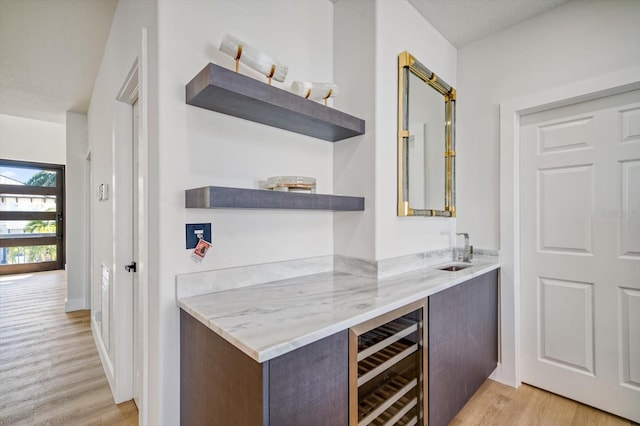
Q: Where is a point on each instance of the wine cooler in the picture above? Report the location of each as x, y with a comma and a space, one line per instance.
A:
387, 374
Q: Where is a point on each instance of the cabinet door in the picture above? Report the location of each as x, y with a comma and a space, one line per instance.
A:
219, 385
310, 386
463, 344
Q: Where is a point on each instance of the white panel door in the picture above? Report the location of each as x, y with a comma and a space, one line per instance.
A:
580, 252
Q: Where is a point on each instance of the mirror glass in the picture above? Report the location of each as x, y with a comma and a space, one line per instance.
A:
426, 155
425, 150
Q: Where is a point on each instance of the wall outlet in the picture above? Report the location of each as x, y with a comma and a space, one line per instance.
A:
194, 230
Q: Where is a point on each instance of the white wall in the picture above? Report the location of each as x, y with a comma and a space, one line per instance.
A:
26, 139
354, 158
576, 41
108, 134
400, 27
191, 147
368, 38
78, 288
198, 147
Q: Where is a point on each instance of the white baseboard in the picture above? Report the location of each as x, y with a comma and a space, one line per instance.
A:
75, 305
505, 376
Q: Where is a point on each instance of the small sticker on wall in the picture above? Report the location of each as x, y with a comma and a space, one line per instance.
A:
201, 250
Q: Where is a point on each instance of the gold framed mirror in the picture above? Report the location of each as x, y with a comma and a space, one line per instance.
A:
426, 141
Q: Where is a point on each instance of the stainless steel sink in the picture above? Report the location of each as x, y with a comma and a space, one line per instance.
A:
455, 267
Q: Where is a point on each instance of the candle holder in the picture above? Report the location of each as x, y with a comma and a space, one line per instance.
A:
315, 91
253, 58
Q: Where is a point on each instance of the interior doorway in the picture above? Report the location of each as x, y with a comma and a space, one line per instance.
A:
580, 250
137, 323
31, 217
129, 378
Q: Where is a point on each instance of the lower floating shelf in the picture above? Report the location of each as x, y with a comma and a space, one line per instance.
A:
217, 197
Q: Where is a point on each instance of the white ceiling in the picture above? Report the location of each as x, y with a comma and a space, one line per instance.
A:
50, 51
465, 21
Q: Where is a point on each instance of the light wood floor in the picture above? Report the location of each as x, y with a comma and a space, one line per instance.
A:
50, 372
498, 404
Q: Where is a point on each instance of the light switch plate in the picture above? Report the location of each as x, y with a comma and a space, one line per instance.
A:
103, 192
192, 231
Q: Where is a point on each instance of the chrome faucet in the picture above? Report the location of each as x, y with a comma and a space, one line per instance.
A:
467, 254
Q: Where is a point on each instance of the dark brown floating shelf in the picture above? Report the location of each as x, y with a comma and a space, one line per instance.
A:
222, 90
217, 197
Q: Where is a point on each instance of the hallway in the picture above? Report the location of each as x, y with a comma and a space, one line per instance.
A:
50, 372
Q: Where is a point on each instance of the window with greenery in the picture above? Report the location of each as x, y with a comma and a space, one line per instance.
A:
31, 216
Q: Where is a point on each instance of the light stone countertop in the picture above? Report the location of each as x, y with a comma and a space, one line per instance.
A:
268, 320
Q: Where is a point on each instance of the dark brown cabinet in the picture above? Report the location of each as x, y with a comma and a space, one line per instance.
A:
387, 381
220, 385
463, 344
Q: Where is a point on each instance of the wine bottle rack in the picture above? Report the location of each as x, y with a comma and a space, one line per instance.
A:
387, 371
